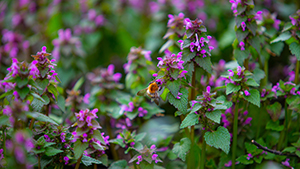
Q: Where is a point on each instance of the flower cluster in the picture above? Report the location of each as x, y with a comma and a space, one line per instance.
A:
197, 41
14, 44
238, 78
137, 57
16, 112
175, 25
243, 122
146, 154
269, 20
204, 100
17, 150
74, 98
87, 132
172, 63
295, 19
66, 44
44, 65
90, 22
105, 78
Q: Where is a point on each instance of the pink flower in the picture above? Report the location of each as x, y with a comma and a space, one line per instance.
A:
243, 25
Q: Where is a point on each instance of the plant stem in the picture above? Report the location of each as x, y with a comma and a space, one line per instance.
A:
283, 132
246, 64
4, 141
134, 165
203, 151
78, 162
297, 72
113, 150
235, 127
192, 97
95, 166
31, 123
266, 69
39, 162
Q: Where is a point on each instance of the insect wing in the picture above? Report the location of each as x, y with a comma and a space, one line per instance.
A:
142, 92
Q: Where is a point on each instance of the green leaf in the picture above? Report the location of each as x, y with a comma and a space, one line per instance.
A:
190, 120
289, 149
139, 137
120, 164
277, 47
254, 97
226, 103
196, 107
23, 92
251, 82
42, 84
243, 159
180, 104
118, 142
181, 148
295, 49
255, 42
61, 103
241, 55
52, 89
46, 99
274, 125
253, 27
4, 120
214, 115
37, 104
187, 55
230, 87
274, 110
174, 87
87, 161
205, 63
164, 94
6, 94
287, 26
40, 117
21, 82
282, 37
295, 104
169, 43
218, 139
258, 74
241, 35
239, 19
50, 151
79, 148
97, 135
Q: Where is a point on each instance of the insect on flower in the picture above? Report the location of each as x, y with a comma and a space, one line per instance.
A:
151, 91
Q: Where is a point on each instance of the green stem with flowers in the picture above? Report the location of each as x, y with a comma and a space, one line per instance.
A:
297, 72
203, 150
235, 127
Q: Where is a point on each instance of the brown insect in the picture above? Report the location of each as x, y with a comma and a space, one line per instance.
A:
151, 91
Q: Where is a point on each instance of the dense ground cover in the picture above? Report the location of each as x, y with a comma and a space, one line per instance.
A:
149, 84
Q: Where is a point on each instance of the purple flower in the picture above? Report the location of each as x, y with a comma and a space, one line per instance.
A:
47, 138
86, 98
293, 20
249, 156
228, 164
33, 70
181, 44
258, 15
66, 159
19, 154
286, 163
14, 68
140, 158
243, 25
62, 137
247, 93
242, 45
178, 96
154, 156
132, 144
239, 70
153, 147
231, 73
208, 89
